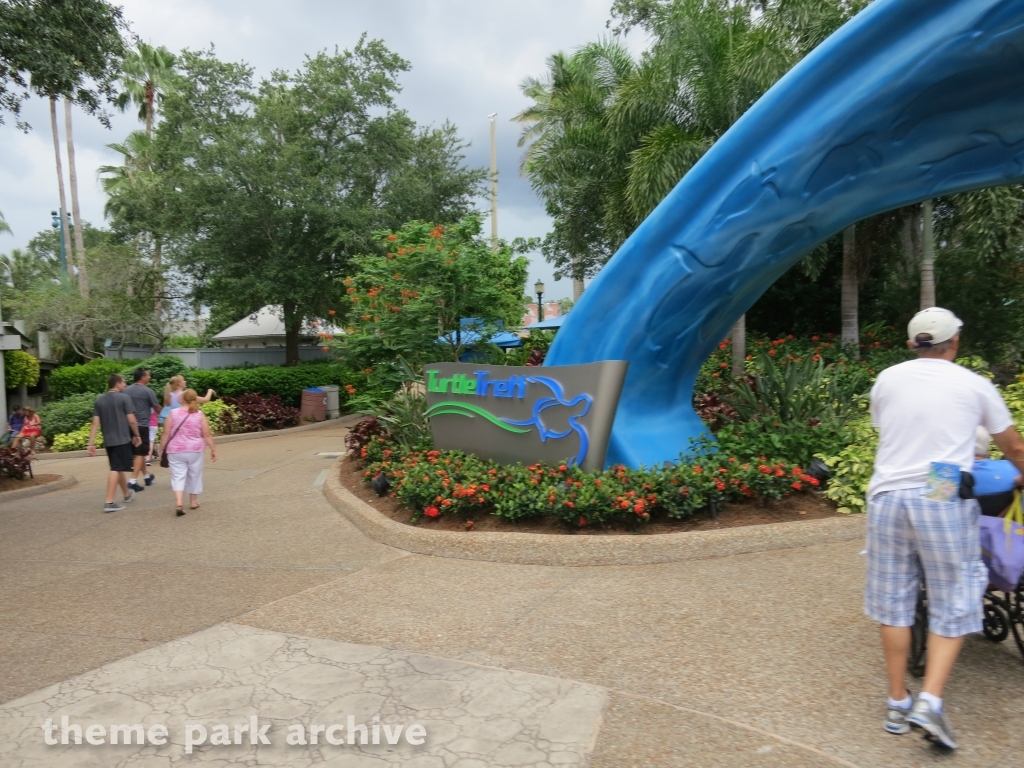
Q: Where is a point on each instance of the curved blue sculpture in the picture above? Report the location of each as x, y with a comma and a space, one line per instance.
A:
909, 100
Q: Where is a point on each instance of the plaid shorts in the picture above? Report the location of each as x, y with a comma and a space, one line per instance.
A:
909, 534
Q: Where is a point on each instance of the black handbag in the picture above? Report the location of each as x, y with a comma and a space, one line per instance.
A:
164, 459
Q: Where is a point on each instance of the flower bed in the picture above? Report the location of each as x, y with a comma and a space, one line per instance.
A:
433, 484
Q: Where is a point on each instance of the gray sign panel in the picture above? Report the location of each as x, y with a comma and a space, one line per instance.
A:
525, 414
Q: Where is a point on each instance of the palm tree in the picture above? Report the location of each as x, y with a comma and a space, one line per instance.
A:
65, 229
574, 161
145, 73
22, 269
3, 224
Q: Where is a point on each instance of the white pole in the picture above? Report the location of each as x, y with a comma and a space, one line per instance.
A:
494, 183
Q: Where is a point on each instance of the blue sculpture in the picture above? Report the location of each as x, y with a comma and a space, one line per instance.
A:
910, 100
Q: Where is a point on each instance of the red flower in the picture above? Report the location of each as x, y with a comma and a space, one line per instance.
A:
432, 511
562, 468
446, 503
719, 485
798, 486
583, 521
771, 352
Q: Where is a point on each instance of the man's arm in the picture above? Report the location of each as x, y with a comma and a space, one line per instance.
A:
134, 424
92, 435
1010, 443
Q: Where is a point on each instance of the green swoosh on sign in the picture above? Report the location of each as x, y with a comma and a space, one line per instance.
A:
456, 408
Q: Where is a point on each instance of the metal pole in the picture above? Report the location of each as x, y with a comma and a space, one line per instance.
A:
540, 307
494, 183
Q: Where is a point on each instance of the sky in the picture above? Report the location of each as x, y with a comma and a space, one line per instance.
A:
468, 60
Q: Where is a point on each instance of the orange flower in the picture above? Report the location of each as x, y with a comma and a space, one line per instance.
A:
392, 238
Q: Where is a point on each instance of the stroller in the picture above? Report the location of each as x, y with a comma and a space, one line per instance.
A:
1003, 610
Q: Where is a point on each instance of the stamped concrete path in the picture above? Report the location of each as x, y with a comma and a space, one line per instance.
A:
266, 603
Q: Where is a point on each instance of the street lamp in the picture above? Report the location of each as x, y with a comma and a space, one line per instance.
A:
58, 224
539, 288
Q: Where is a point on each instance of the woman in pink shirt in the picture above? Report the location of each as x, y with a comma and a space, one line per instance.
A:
188, 434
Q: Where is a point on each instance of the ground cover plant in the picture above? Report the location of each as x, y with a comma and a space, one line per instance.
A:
252, 413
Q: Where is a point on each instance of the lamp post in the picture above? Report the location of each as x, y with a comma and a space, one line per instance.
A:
58, 223
539, 288
494, 183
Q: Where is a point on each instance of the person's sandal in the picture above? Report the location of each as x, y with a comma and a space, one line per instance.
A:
179, 512
195, 507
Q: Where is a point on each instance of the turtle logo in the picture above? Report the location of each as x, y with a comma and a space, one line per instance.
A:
558, 398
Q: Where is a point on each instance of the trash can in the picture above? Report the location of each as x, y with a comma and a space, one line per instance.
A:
314, 405
333, 407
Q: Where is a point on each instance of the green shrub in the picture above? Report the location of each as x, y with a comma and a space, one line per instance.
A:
161, 368
852, 467
20, 369
184, 341
216, 411
76, 440
288, 382
87, 377
66, 415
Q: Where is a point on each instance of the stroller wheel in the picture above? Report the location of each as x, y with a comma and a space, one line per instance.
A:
996, 623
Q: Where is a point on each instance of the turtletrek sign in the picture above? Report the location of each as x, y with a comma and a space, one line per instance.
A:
525, 414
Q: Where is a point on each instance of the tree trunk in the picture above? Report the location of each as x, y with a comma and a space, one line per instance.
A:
739, 347
64, 231
158, 304
927, 256
292, 329
83, 276
577, 280
850, 336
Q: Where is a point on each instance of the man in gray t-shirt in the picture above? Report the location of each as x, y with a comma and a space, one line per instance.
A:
144, 403
113, 413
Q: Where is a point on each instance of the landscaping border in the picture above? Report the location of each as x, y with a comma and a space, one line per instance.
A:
586, 550
343, 421
64, 481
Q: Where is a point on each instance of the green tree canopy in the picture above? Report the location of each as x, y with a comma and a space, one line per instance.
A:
68, 48
263, 193
433, 292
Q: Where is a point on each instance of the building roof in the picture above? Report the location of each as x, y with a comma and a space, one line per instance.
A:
268, 323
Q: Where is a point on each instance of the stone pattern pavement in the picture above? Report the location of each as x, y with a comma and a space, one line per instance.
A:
761, 659
473, 716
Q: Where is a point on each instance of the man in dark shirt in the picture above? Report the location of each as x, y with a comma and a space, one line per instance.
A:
113, 412
14, 424
144, 402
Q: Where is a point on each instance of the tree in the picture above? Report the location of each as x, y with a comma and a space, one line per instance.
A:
67, 48
119, 305
4, 226
269, 192
144, 75
708, 62
22, 269
61, 48
434, 292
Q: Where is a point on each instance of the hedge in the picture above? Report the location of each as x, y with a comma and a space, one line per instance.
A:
87, 377
20, 369
66, 415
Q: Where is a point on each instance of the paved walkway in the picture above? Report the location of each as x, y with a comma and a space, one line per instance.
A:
267, 603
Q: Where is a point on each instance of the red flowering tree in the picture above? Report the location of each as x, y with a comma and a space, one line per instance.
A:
434, 293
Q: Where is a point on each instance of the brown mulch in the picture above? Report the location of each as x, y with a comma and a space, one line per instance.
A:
793, 508
12, 484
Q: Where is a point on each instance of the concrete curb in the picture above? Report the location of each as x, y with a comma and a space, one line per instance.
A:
344, 421
548, 549
65, 481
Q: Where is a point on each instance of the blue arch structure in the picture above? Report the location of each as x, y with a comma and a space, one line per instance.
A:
909, 100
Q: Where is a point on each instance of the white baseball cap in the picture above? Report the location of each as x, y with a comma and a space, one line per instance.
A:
935, 324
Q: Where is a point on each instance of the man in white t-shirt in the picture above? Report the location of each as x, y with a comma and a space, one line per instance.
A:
927, 412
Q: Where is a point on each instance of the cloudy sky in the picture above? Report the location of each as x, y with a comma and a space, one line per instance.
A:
468, 59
